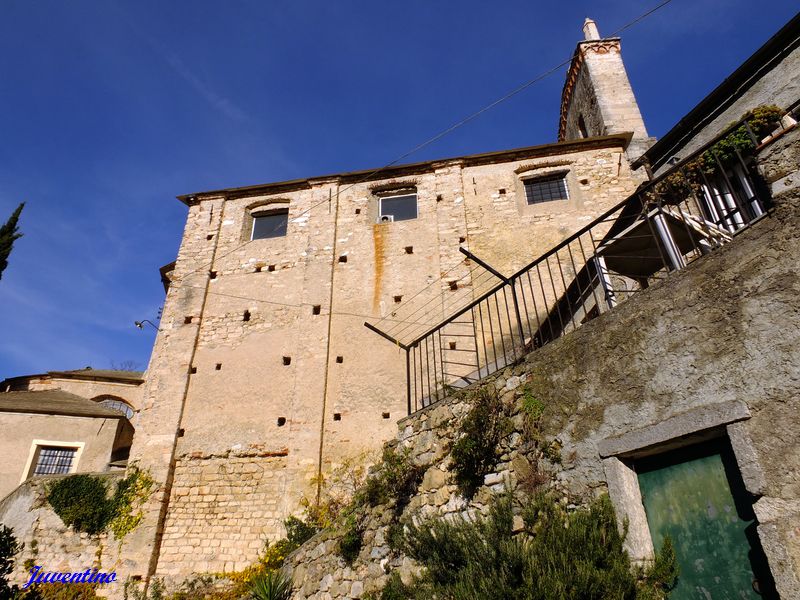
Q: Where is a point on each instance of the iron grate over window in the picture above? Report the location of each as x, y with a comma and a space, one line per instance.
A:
54, 460
117, 405
546, 189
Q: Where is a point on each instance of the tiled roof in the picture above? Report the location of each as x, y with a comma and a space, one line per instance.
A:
54, 402
100, 374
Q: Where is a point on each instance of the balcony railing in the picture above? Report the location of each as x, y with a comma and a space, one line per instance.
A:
695, 207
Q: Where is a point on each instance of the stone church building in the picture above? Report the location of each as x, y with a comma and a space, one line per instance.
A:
263, 376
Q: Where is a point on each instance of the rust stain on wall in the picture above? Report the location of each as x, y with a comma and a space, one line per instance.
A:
377, 245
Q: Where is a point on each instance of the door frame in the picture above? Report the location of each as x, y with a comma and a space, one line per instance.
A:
724, 419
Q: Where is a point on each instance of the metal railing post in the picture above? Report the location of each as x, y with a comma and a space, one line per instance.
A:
649, 214
513, 282
408, 378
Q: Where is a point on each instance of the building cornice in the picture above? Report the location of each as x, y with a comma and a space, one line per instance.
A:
353, 177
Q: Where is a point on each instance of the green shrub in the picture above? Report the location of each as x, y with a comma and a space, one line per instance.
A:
397, 479
9, 546
352, 537
560, 556
82, 502
155, 591
271, 585
394, 589
663, 574
298, 531
474, 453
395, 535
532, 406
47, 591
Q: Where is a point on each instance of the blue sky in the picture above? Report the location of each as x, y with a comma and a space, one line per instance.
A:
109, 109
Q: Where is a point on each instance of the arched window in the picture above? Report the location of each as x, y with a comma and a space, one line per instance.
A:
582, 127
115, 404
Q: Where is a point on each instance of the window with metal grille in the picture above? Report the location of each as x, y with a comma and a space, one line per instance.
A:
546, 189
54, 460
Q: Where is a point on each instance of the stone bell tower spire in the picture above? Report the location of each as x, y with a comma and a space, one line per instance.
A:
597, 98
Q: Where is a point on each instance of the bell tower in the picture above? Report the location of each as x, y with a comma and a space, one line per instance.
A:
597, 98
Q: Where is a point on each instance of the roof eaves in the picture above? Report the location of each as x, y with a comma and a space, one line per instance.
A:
92, 375
617, 139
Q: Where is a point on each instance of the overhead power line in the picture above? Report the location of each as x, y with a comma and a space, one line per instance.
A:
507, 96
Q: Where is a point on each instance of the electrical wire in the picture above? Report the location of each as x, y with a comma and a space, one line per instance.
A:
520, 88
507, 96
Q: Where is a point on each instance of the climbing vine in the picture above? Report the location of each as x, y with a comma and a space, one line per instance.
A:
82, 502
131, 494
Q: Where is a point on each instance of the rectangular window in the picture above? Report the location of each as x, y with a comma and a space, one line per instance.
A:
269, 225
546, 189
54, 460
398, 208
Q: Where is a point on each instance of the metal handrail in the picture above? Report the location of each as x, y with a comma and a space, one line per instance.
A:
659, 229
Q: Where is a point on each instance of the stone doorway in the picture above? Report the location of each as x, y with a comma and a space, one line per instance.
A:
696, 496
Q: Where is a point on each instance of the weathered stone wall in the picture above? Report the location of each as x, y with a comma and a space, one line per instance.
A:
710, 351
48, 542
318, 570
221, 524
316, 383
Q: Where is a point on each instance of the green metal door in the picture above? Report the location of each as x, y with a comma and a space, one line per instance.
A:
696, 496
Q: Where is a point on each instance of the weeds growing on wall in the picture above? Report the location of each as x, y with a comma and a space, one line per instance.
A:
83, 503
393, 590
474, 454
133, 590
297, 533
396, 480
352, 536
560, 555
336, 491
129, 497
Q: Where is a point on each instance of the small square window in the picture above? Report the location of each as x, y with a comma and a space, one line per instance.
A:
54, 460
398, 208
270, 224
546, 189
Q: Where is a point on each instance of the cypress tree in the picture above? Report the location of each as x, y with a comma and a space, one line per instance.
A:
9, 233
